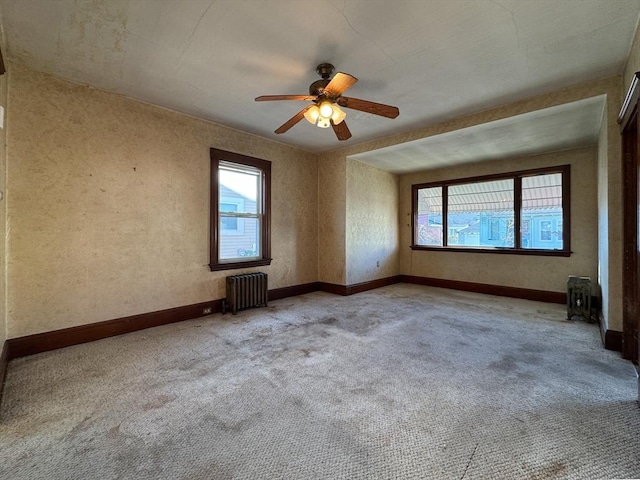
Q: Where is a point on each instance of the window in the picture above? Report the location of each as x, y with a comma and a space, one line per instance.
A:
430, 217
230, 225
545, 231
240, 211
519, 212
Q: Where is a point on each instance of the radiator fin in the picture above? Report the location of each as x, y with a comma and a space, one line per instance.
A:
246, 291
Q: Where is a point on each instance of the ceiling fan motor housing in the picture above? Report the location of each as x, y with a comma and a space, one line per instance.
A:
324, 70
317, 87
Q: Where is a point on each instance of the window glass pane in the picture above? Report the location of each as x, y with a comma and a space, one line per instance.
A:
240, 247
239, 182
481, 214
429, 221
228, 223
542, 212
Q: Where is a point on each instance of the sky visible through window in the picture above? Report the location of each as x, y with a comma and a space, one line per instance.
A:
244, 183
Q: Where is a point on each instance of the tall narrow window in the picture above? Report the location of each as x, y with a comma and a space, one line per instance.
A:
542, 205
240, 213
429, 221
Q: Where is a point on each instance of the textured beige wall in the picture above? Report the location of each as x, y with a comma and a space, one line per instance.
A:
611, 254
633, 62
523, 271
108, 206
3, 204
372, 223
332, 209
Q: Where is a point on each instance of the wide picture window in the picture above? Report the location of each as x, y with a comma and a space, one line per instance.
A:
523, 212
240, 211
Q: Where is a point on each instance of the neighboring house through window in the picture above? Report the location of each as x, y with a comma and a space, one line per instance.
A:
240, 211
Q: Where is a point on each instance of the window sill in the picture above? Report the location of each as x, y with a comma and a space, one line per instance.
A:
216, 267
507, 251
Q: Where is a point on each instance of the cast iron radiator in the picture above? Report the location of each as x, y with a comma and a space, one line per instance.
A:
245, 291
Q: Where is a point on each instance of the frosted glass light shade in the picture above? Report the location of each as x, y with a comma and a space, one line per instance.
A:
312, 114
324, 122
338, 115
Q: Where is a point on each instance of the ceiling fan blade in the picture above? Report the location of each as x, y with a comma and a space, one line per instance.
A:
293, 120
341, 130
339, 84
369, 107
269, 98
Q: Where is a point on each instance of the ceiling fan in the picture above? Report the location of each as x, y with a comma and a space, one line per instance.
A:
327, 99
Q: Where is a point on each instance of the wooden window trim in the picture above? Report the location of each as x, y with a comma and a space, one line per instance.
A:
516, 176
265, 235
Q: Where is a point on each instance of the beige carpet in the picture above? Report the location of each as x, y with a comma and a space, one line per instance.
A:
403, 382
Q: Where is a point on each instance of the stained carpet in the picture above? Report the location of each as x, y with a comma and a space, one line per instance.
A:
403, 382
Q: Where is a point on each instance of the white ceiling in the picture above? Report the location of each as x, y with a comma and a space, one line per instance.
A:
566, 126
434, 59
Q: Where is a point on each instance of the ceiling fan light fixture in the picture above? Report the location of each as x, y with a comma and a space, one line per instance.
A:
324, 122
312, 114
338, 115
326, 109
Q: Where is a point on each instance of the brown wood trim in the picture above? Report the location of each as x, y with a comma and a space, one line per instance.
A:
4, 363
333, 288
346, 290
613, 340
214, 267
601, 325
43, 342
503, 251
566, 209
630, 101
414, 213
445, 215
293, 291
517, 210
372, 284
499, 290
630, 229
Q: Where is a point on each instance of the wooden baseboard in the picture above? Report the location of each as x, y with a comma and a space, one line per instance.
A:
499, 290
611, 339
43, 342
66, 337
332, 288
346, 290
293, 291
370, 285
4, 361
603, 331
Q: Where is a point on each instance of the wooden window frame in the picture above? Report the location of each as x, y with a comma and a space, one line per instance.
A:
517, 176
264, 166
